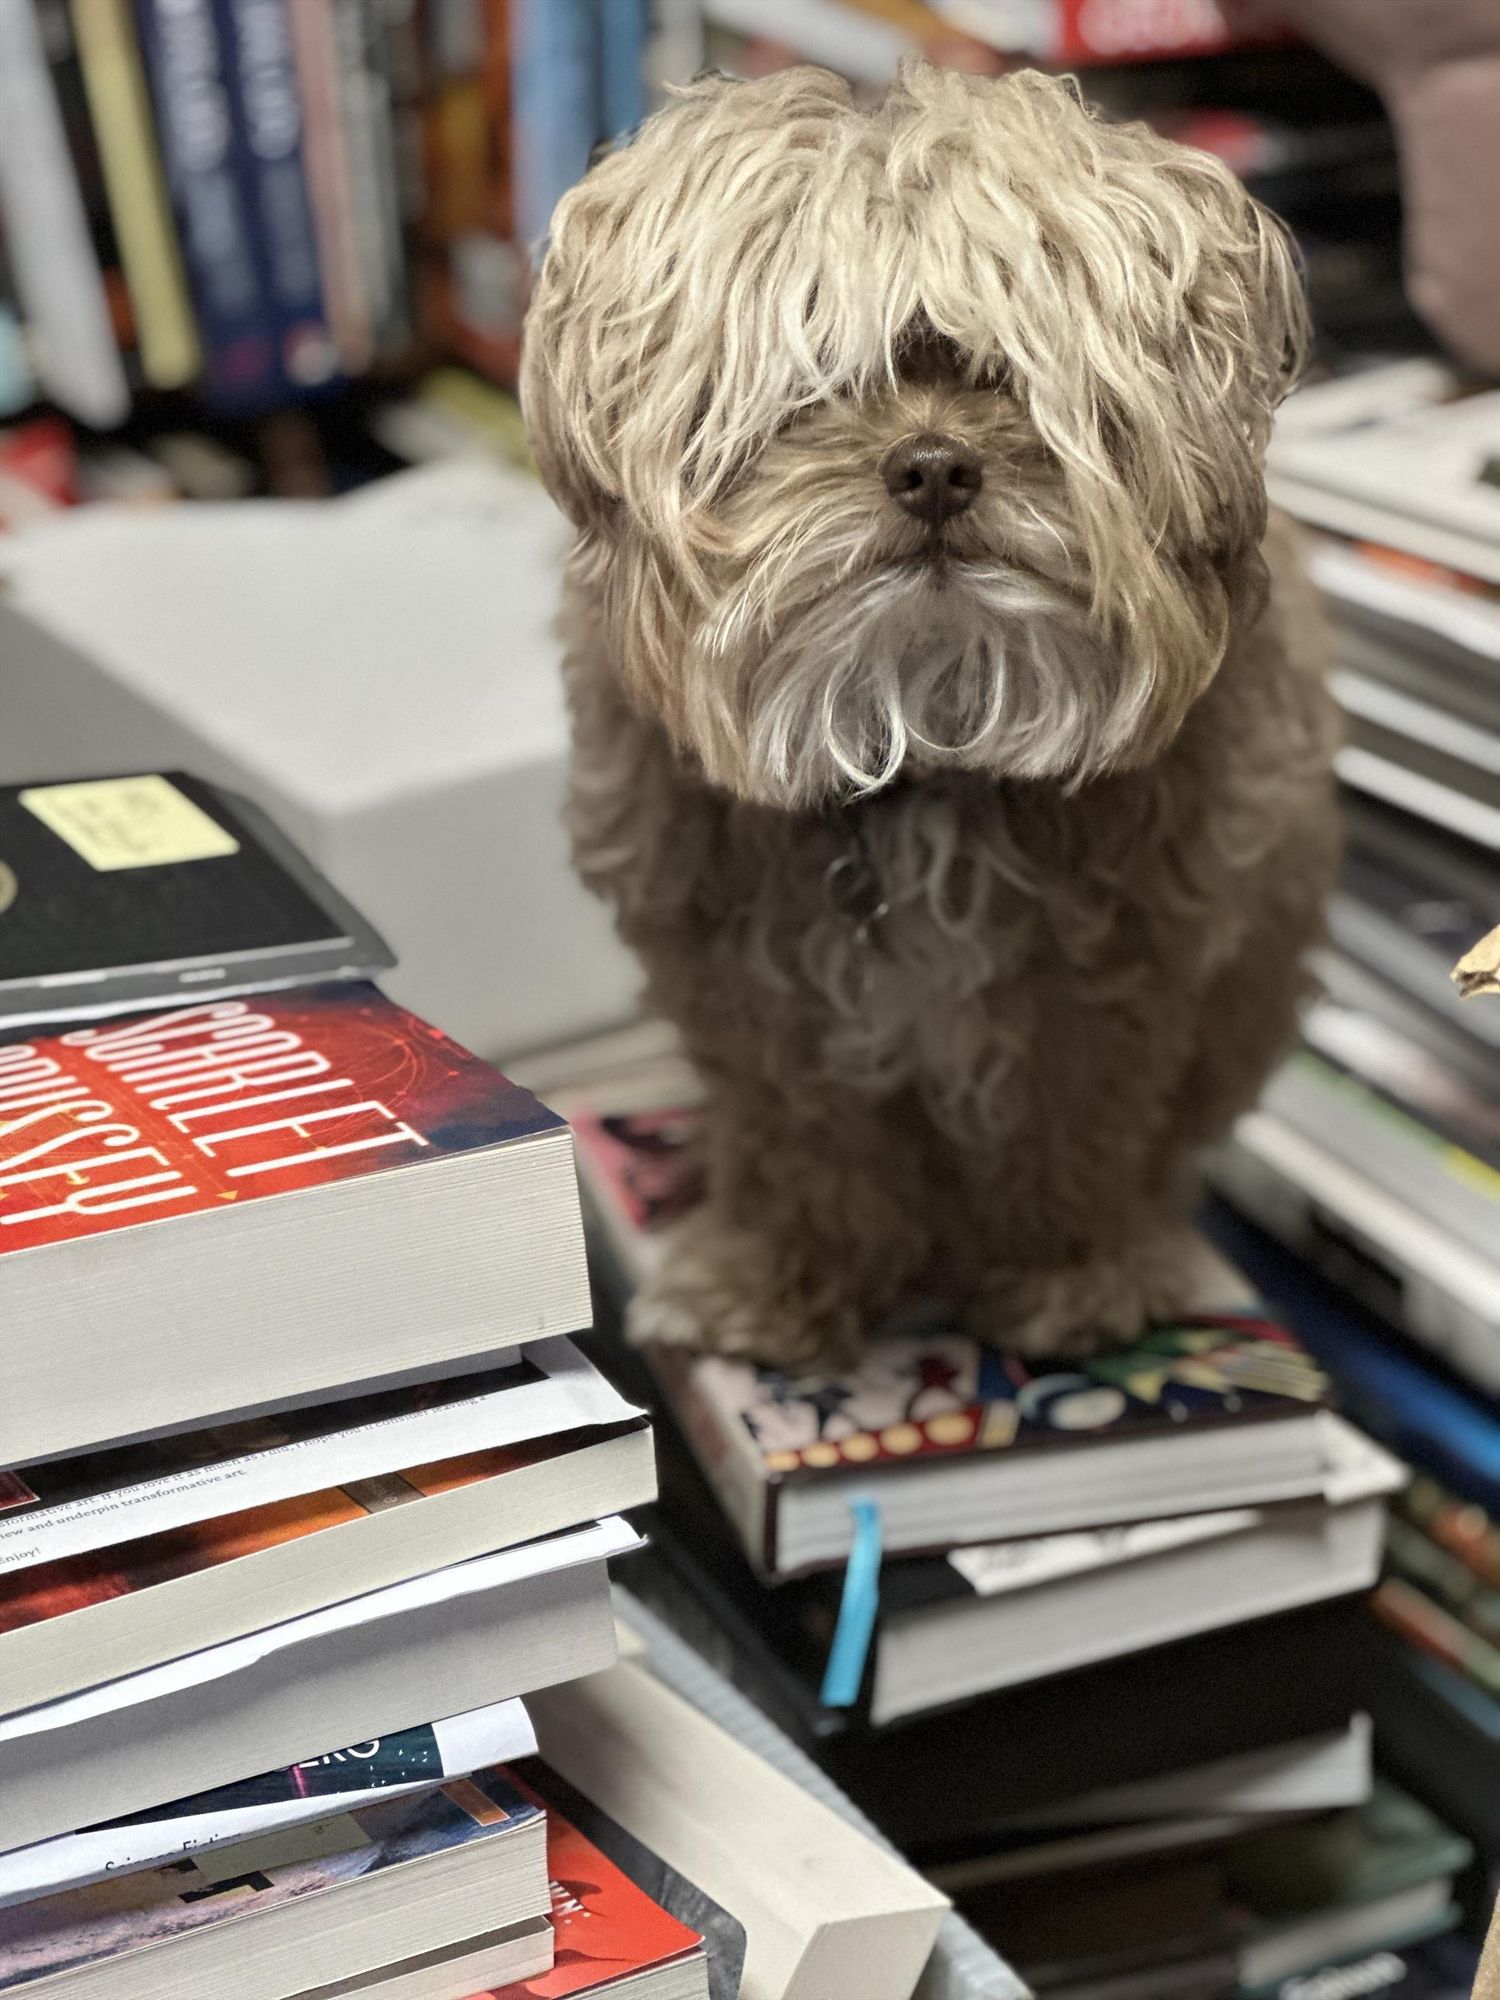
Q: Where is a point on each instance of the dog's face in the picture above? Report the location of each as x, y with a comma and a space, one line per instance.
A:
916, 437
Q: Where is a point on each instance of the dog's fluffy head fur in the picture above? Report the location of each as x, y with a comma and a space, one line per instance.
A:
744, 311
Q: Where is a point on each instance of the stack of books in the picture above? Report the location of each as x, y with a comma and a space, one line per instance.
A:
1103, 1616
304, 1484
1376, 1152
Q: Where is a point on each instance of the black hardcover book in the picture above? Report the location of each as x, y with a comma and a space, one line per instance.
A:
155, 888
1247, 1687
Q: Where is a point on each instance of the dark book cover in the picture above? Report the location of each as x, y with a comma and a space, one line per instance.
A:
131, 891
130, 1121
256, 37
211, 200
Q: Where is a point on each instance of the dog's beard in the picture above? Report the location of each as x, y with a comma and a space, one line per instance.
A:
973, 664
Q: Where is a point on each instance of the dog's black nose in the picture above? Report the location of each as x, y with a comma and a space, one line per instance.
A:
933, 476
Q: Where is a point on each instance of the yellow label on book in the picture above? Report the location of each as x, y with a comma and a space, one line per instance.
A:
129, 822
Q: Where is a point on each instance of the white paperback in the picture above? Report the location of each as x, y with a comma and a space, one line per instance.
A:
244, 1810
231, 1468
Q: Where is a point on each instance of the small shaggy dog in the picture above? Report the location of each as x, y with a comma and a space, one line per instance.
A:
950, 736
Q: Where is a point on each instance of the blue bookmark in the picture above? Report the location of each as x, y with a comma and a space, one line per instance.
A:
857, 1609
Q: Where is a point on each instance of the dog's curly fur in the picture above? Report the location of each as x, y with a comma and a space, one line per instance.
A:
975, 864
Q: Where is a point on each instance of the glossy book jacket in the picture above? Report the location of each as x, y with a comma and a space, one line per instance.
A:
113, 1124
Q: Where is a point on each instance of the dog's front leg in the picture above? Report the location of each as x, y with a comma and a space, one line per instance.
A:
814, 1223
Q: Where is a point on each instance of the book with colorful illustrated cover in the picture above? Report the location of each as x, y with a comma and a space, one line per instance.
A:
319, 1901
112, 1612
607, 1930
279, 1198
411, 1760
954, 1441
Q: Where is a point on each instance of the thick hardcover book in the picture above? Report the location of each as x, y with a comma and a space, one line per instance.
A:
606, 1928
186, 63
275, 1912
268, 137
954, 1441
143, 890
277, 1199
1221, 1694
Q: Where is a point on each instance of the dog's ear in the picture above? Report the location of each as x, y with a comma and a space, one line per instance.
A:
676, 321
1232, 352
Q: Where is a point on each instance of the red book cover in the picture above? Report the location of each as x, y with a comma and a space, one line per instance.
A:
119, 1123
605, 1929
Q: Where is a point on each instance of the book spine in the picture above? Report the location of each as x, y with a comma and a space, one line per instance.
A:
184, 61
407, 71
78, 129
725, 1455
17, 384
57, 273
554, 104
370, 142
166, 337
496, 75
624, 29
269, 138
315, 42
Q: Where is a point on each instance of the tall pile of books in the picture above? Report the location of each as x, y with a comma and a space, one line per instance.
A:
305, 1485
1085, 1639
1375, 1157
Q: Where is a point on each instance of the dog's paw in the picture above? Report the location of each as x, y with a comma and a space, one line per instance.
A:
1076, 1310
723, 1292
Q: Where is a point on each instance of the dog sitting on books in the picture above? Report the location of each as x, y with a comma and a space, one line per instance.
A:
950, 729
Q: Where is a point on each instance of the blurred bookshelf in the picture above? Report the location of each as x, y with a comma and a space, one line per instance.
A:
233, 234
